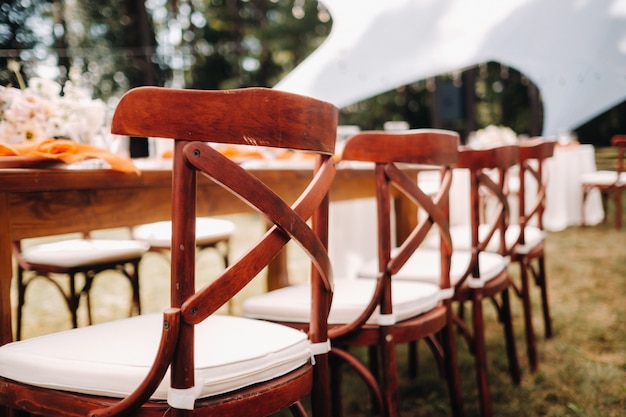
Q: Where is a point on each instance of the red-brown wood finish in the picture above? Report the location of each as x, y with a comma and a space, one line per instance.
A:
484, 184
247, 117
42, 202
391, 151
533, 154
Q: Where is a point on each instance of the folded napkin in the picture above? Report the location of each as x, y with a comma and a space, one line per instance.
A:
68, 152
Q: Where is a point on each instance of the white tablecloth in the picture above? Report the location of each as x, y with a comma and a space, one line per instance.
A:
564, 194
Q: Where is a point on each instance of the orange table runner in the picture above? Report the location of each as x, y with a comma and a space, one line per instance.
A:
67, 151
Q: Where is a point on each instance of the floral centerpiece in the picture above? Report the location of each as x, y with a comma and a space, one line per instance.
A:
44, 109
52, 123
492, 136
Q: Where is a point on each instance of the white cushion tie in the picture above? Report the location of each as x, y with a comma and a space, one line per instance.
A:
320, 348
475, 282
387, 319
183, 399
446, 293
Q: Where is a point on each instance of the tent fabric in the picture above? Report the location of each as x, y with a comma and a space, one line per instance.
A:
573, 50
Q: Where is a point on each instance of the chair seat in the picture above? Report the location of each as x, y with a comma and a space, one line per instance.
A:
73, 253
602, 177
424, 266
208, 231
462, 240
533, 237
351, 296
87, 361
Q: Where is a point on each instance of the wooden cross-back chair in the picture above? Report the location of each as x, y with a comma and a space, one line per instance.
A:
487, 275
79, 261
526, 238
218, 365
609, 182
478, 265
377, 313
211, 233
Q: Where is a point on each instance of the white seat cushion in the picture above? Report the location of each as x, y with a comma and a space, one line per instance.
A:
424, 266
602, 177
351, 296
111, 359
208, 230
80, 252
533, 236
462, 240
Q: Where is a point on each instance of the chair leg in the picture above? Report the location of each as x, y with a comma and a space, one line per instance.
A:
21, 300
542, 282
135, 308
321, 402
225, 253
452, 367
509, 336
372, 360
583, 221
390, 374
531, 348
412, 359
72, 300
86, 292
297, 410
480, 355
335, 385
618, 208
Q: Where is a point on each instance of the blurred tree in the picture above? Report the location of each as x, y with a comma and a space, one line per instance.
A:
216, 44
113, 44
463, 101
19, 38
601, 128
242, 43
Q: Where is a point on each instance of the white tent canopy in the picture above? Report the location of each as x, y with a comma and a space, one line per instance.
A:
573, 50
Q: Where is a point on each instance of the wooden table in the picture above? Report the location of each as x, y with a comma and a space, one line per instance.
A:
42, 202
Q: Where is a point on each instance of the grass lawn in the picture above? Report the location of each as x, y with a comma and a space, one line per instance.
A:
582, 369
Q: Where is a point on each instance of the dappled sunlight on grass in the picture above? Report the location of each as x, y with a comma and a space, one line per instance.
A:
582, 369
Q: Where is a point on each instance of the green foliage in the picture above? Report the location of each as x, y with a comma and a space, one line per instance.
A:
218, 44
252, 43
209, 44
18, 20
500, 94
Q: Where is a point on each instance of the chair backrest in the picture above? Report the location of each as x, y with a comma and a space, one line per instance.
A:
489, 172
620, 142
393, 154
254, 117
533, 154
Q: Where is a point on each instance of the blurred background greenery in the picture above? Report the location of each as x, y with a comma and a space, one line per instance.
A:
218, 44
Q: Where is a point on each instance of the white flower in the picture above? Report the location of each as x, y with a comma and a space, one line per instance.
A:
44, 88
44, 109
492, 136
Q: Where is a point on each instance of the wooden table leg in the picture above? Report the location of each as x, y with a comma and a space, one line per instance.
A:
406, 217
277, 273
6, 271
